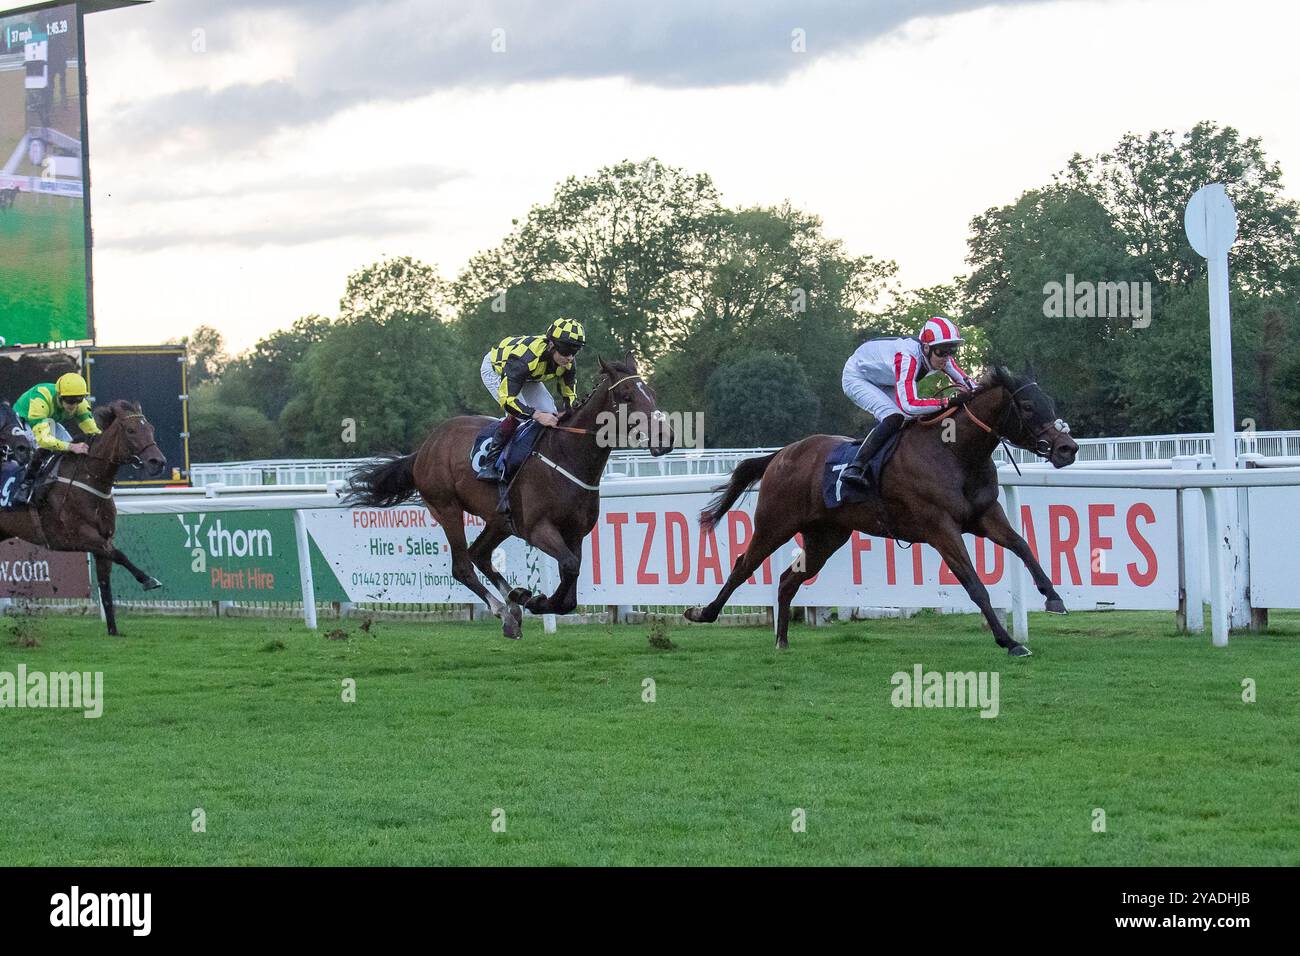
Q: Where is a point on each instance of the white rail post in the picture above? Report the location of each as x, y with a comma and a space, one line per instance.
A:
1220, 550
1019, 612
304, 571
1191, 553
550, 581
781, 559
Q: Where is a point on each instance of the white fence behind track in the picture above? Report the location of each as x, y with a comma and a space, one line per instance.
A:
1148, 451
1138, 517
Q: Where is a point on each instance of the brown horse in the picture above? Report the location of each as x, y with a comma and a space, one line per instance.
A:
554, 497
77, 512
933, 490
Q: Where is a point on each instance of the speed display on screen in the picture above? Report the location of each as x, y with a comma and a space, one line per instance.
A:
43, 287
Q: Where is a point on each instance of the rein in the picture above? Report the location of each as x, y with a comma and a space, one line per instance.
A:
953, 411
559, 469
1002, 421
591, 431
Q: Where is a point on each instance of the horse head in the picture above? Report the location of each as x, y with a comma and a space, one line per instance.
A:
1029, 418
127, 438
642, 418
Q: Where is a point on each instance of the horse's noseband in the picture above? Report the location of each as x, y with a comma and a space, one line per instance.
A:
1042, 446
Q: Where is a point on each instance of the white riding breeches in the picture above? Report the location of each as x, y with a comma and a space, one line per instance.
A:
533, 393
872, 398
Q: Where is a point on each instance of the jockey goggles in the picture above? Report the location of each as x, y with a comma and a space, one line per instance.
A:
565, 348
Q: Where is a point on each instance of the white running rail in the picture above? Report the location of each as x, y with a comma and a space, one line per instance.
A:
1147, 451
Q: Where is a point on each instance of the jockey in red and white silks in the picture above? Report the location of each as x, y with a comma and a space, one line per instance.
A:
881, 377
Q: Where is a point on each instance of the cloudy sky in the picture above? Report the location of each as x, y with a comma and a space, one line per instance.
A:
246, 156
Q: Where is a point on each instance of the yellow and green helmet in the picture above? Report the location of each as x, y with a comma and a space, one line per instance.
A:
71, 385
567, 332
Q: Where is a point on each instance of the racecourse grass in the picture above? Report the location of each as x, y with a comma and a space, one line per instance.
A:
245, 720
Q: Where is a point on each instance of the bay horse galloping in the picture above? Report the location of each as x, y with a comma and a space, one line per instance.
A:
554, 496
77, 512
932, 490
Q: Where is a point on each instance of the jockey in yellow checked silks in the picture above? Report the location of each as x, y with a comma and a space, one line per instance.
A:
515, 370
45, 409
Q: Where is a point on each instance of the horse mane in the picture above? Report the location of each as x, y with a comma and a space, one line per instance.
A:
105, 415
607, 369
995, 376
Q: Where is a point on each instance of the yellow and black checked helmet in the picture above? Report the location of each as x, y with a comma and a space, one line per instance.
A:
567, 332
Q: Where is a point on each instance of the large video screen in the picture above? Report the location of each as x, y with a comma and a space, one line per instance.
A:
43, 242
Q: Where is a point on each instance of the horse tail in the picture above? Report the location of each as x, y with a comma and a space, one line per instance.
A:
742, 479
382, 483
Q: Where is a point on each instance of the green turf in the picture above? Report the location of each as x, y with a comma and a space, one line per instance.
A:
244, 719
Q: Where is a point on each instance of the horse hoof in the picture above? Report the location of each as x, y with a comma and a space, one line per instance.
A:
538, 604
519, 596
782, 644
1019, 650
512, 622
1056, 606
692, 614
152, 584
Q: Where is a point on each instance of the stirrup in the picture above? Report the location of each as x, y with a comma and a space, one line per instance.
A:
23, 494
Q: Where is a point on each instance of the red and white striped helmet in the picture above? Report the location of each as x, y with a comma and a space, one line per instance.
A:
940, 331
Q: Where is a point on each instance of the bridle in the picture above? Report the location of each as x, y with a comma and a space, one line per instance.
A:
1042, 446
613, 404
134, 459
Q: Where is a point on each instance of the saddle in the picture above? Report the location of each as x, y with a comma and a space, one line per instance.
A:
11, 474
512, 456
836, 492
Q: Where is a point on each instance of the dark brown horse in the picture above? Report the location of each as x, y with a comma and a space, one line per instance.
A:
77, 512
933, 490
554, 498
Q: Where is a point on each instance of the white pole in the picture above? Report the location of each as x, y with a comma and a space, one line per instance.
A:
1219, 549
1211, 225
304, 571
1019, 612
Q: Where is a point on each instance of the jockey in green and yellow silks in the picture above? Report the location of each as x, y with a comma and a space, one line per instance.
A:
45, 409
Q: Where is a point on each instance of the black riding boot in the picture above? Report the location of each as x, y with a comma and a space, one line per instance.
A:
505, 431
500, 438
855, 473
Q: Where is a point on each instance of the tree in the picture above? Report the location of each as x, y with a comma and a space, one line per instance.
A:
206, 350
391, 287
768, 280
737, 415
629, 234
264, 375
220, 431
1146, 181
1048, 236
372, 386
